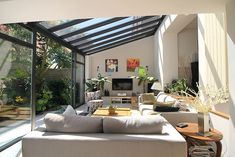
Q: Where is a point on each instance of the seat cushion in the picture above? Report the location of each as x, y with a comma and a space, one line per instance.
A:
135, 125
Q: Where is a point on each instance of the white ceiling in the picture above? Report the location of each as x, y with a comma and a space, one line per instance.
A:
12, 11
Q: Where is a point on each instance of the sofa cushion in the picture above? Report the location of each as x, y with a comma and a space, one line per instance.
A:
98, 94
73, 123
148, 98
169, 103
135, 125
163, 97
69, 111
166, 109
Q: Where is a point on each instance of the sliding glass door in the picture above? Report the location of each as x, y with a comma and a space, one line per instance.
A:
15, 83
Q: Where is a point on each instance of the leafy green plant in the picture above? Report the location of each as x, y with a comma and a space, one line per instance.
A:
97, 83
91, 86
143, 77
61, 92
178, 86
44, 97
17, 83
1, 90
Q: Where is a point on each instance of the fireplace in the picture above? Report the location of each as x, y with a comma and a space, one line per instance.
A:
122, 84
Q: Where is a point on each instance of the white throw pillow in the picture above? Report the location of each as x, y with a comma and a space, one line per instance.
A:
69, 111
73, 124
163, 97
135, 125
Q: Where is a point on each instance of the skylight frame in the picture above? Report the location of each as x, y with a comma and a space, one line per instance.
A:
87, 44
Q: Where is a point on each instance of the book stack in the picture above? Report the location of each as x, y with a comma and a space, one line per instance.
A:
201, 151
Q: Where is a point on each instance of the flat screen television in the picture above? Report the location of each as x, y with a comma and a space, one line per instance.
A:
122, 84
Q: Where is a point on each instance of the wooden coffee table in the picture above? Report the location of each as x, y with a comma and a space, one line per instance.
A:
118, 112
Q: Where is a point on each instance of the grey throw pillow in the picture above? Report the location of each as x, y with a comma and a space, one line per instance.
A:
136, 125
73, 123
69, 111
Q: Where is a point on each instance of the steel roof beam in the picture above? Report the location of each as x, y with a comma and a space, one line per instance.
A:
120, 37
119, 42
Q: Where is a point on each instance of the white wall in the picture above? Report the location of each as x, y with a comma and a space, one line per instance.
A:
45, 10
213, 65
212, 52
142, 49
230, 12
166, 47
187, 50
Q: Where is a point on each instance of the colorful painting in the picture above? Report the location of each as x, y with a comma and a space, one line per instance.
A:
111, 65
132, 63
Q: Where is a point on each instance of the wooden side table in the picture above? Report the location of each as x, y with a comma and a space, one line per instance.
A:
191, 131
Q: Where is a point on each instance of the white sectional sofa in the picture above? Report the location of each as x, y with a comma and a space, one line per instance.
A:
172, 117
52, 144
71, 135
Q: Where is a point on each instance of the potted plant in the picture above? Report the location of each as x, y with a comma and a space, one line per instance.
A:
112, 109
143, 78
98, 83
177, 86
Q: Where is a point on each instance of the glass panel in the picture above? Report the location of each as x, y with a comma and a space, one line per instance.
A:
50, 24
149, 26
118, 40
80, 26
53, 71
17, 31
123, 28
15, 74
117, 30
100, 28
80, 88
80, 58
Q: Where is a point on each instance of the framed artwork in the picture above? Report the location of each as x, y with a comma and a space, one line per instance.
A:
132, 63
111, 65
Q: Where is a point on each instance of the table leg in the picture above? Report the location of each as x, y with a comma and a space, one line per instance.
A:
188, 145
218, 148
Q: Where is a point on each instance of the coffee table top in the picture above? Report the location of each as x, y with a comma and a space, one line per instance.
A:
192, 131
118, 112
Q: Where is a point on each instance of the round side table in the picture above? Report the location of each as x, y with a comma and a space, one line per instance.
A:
191, 131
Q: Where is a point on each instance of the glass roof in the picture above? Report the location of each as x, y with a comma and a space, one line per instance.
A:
120, 39
102, 28
116, 35
79, 26
88, 35
50, 24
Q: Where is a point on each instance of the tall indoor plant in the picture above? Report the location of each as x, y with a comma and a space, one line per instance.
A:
144, 78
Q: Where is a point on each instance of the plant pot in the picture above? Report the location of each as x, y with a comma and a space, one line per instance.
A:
203, 123
111, 110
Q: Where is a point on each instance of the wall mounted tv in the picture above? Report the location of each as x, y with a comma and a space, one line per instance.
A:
122, 84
